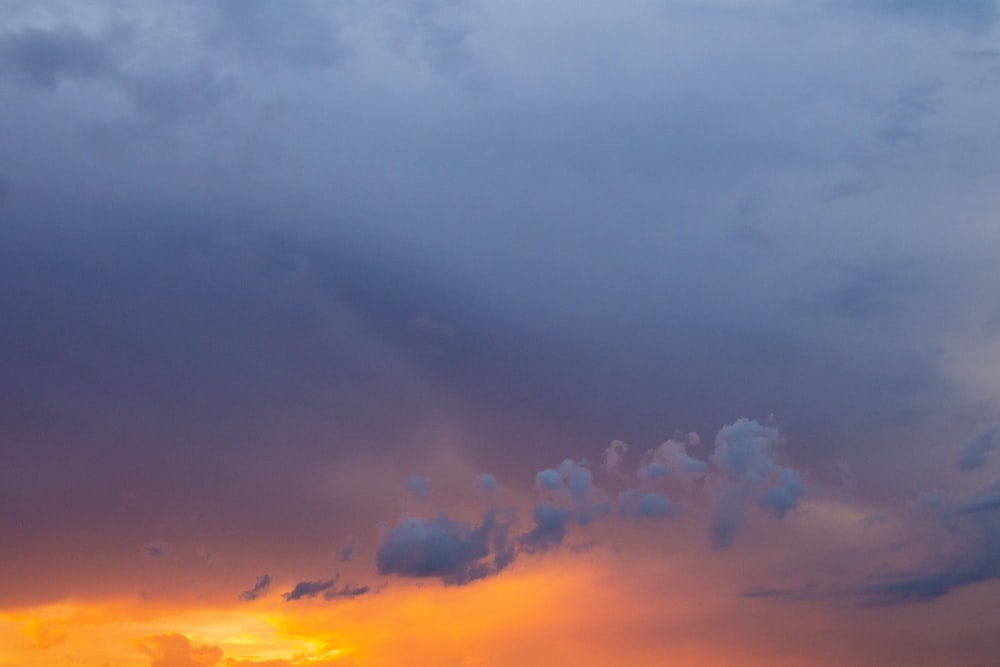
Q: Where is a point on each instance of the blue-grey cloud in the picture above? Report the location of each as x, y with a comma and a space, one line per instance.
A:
40, 58
974, 451
419, 487
454, 551
346, 592
744, 459
259, 589
645, 505
308, 589
549, 531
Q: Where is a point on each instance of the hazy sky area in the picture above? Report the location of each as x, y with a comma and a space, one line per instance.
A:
449, 332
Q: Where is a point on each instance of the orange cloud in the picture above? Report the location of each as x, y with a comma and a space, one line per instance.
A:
175, 650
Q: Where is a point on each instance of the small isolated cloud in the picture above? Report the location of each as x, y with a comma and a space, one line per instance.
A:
976, 450
486, 483
648, 505
453, 551
348, 548
259, 590
176, 650
419, 487
308, 589
614, 455
745, 473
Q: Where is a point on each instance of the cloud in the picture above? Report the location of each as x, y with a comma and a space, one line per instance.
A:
966, 551
613, 456
347, 591
39, 58
745, 471
259, 589
348, 548
419, 487
971, 15
308, 589
572, 484
644, 505
486, 483
176, 650
447, 549
976, 449
672, 458
549, 531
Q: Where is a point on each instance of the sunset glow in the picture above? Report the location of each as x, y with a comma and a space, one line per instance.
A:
453, 333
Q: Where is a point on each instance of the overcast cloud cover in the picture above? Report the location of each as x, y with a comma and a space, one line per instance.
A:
321, 284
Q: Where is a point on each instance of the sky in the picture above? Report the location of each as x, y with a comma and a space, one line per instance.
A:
449, 332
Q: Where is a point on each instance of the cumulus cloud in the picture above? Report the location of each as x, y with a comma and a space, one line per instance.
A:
454, 551
613, 456
419, 487
671, 458
259, 589
571, 483
176, 650
549, 531
746, 472
976, 449
487, 483
308, 589
644, 505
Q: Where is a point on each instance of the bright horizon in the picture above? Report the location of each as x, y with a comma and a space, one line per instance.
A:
448, 332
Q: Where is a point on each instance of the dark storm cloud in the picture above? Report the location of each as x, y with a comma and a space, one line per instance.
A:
451, 550
259, 589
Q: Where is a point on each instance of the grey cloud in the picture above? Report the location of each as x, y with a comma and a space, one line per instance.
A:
970, 535
419, 487
613, 456
549, 531
644, 505
975, 16
438, 32
308, 589
744, 461
286, 32
39, 58
986, 501
259, 589
975, 450
346, 592
486, 483
453, 551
